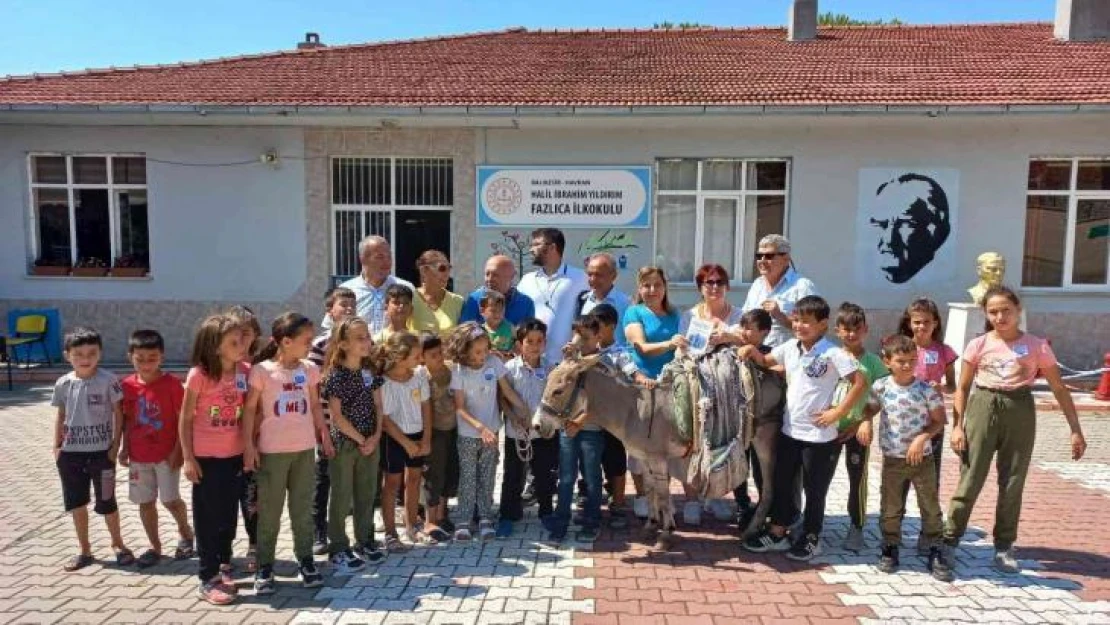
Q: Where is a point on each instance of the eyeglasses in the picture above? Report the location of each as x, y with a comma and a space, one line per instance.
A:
768, 255
440, 267
715, 282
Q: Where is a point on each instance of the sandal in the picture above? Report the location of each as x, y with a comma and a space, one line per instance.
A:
439, 535
124, 557
393, 544
78, 562
185, 549
148, 559
462, 533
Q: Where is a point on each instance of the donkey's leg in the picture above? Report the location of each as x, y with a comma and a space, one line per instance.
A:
763, 443
653, 521
663, 505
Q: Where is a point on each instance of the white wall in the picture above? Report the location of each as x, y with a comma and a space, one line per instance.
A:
217, 233
991, 154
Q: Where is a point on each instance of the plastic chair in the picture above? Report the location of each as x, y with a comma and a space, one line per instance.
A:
30, 330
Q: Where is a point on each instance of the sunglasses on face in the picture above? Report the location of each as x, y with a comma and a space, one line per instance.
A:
715, 282
440, 267
768, 255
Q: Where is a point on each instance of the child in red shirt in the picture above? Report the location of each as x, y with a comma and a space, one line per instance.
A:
151, 404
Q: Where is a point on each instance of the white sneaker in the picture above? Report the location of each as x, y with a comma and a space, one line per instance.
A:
1006, 562
640, 507
720, 509
691, 513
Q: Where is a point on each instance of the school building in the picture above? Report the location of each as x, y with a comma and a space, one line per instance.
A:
891, 156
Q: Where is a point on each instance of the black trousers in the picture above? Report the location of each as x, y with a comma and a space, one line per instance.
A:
214, 502
855, 460
248, 506
320, 504
817, 463
545, 468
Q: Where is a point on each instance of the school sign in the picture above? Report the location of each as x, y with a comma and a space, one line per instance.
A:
564, 197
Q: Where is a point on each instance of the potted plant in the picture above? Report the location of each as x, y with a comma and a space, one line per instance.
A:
129, 266
50, 267
90, 267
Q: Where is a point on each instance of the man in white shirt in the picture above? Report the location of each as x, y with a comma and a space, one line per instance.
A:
554, 288
601, 274
778, 287
370, 286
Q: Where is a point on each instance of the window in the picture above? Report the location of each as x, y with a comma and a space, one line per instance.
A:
370, 195
715, 211
89, 210
1067, 223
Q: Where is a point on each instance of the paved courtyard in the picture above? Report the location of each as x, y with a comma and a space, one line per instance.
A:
1064, 550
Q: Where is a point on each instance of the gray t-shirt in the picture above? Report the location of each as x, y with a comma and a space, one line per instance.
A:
479, 386
89, 409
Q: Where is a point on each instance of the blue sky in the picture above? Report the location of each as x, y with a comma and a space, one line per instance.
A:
51, 35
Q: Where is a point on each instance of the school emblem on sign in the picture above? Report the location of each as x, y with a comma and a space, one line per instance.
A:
503, 196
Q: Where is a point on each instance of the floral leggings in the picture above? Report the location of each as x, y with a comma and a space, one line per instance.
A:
477, 473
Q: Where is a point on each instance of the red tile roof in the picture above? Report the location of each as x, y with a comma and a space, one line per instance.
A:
927, 65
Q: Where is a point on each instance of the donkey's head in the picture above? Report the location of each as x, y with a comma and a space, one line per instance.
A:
563, 397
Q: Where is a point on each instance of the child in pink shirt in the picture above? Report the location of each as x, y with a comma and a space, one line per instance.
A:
935, 360
211, 435
284, 395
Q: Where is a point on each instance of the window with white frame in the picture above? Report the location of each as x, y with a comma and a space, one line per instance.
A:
1067, 223
89, 209
715, 211
369, 192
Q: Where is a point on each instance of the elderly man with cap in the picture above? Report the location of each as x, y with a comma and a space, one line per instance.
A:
499, 275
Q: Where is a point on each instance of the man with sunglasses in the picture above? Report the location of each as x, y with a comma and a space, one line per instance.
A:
554, 287
778, 287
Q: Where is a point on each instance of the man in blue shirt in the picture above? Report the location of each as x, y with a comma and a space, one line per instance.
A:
499, 277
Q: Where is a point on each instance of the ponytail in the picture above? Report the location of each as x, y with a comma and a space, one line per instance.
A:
286, 326
386, 354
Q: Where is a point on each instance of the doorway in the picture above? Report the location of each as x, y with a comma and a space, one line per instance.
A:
416, 232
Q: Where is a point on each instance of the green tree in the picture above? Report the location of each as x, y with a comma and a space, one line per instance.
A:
840, 19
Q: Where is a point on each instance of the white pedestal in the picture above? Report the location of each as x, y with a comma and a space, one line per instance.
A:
965, 322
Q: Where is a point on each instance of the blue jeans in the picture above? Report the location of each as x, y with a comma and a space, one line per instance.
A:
588, 446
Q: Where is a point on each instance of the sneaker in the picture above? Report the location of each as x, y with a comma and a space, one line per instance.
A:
1005, 562
310, 575
504, 528
888, 561
640, 507
370, 554
264, 581
691, 513
766, 541
854, 541
447, 525
215, 593
462, 533
320, 546
719, 508
805, 549
486, 531
347, 563
586, 535
618, 517
940, 564
227, 577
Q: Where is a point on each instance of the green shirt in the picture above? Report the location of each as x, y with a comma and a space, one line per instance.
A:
872, 368
501, 339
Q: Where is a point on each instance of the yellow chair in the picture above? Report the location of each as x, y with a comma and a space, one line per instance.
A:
29, 331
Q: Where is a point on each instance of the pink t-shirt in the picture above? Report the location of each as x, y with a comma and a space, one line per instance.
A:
217, 420
285, 409
933, 361
1008, 366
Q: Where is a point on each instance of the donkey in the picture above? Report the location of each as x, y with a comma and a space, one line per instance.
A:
643, 419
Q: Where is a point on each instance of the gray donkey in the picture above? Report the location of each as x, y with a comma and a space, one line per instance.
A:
643, 419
